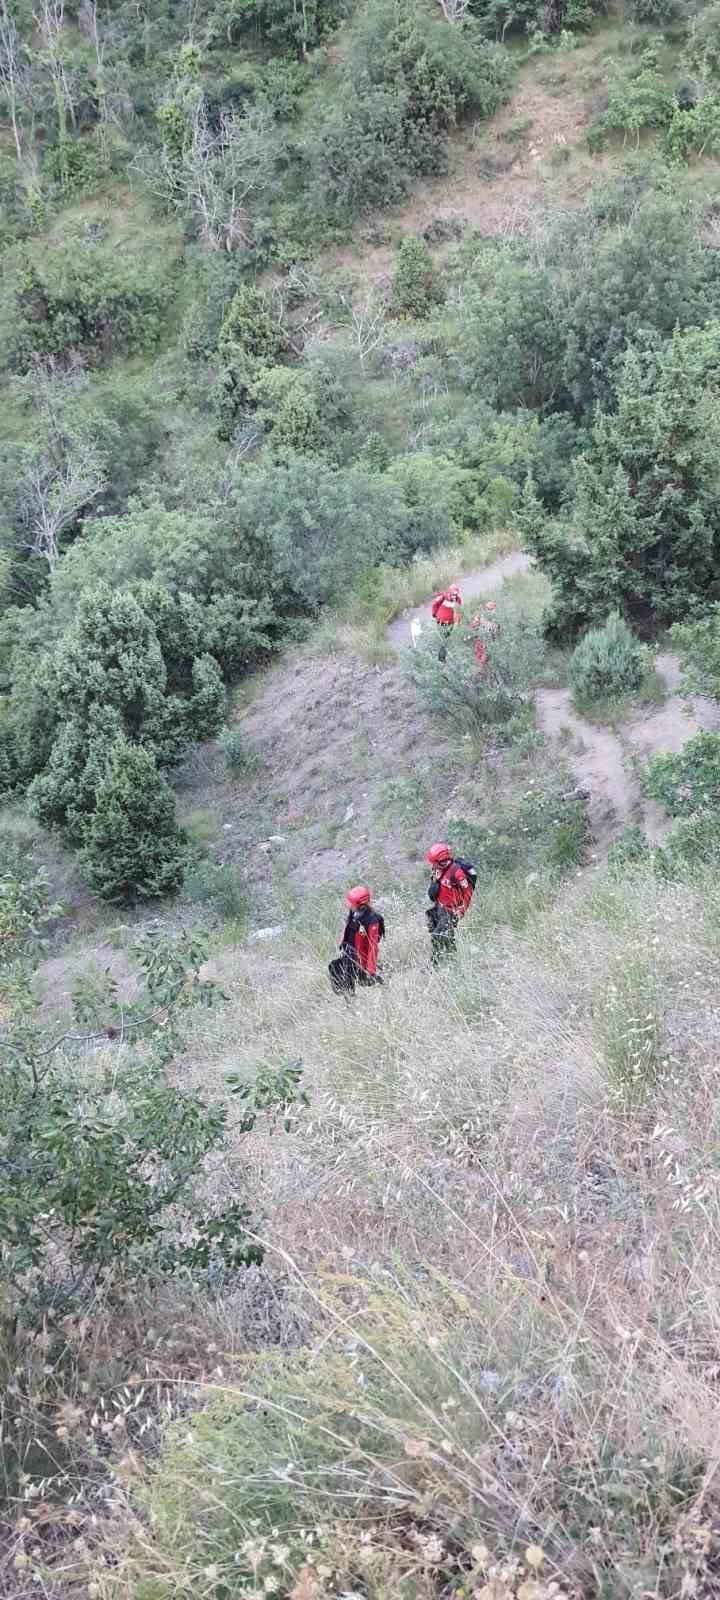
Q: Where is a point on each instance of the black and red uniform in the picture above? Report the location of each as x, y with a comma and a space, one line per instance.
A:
361, 941
450, 893
359, 948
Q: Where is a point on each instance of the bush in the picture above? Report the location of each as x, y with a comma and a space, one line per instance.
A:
209, 883
132, 847
547, 827
608, 661
687, 782
630, 847
416, 288
642, 534
25, 908
696, 131
231, 745
251, 339
460, 693
694, 842
82, 296
639, 101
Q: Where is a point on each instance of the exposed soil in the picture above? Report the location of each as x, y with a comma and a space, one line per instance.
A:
605, 762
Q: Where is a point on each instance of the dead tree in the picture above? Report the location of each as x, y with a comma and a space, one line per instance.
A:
12, 69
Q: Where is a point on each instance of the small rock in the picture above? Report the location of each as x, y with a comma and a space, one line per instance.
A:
276, 838
261, 934
489, 1380
349, 814
227, 827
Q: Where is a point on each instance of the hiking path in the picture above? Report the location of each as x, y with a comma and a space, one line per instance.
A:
606, 761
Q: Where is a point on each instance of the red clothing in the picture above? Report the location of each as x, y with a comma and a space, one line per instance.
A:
446, 610
454, 890
481, 654
361, 939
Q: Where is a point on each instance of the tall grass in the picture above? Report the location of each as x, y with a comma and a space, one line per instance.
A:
509, 1266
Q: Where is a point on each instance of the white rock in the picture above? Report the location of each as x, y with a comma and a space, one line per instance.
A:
260, 934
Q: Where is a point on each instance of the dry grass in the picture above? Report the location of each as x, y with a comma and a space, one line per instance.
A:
501, 1217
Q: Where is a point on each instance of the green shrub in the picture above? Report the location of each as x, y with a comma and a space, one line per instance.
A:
630, 847
460, 693
641, 100
696, 131
232, 747
608, 661
132, 847
83, 296
209, 883
251, 339
693, 843
687, 782
643, 525
25, 907
416, 287
547, 827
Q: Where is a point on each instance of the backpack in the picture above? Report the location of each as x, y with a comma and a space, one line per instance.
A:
469, 870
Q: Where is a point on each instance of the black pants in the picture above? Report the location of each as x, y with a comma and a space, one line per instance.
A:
345, 974
442, 925
445, 630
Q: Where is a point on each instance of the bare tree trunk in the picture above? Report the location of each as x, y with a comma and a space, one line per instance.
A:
553, 16
10, 68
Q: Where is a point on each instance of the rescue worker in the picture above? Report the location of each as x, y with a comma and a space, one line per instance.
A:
450, 891
486, 627
445, 609
358, 959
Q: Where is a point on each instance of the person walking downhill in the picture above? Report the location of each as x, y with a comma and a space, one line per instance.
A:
445, 609
359, 946
450, 892
486, 627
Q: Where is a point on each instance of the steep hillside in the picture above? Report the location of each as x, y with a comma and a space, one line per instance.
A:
307, 312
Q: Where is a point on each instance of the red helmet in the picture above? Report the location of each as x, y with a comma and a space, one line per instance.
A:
453, 592
359, 896
438, 855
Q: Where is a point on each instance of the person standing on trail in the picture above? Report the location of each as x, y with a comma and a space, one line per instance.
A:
450, 891
486, 627
359, 946
445, 609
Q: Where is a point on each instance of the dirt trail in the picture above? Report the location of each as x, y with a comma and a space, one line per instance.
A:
605, 762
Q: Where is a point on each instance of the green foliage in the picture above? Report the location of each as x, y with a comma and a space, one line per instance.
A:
25, 907
471, 699
546, 827
701, 56
641, 100
409, 79
696, 131
512, 341
232, 747
694, 844
416, 287
608, 661
643, 525
698, 645
116, 1152
301, 410
251, 340
630, 847
688, 782
82, 296
132, 847
210, 883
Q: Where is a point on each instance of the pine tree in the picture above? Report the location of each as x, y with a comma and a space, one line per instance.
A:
133, 846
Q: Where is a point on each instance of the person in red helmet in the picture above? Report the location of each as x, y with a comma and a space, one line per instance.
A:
486, 627
450, 891
359, 946
445, 609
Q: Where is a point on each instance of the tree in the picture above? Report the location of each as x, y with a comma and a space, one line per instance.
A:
132, 847
416, 288
101, 1157
513, 341
12, 70
643, 528
49, 19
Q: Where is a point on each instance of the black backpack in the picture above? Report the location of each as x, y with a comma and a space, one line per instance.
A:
469, 870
